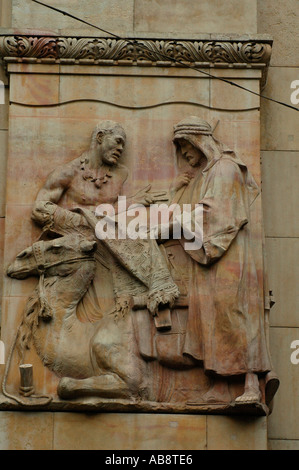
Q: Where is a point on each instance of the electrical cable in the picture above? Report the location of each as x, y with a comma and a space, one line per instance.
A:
168, 58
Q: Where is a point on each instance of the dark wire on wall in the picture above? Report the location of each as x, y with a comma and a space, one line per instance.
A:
165, 56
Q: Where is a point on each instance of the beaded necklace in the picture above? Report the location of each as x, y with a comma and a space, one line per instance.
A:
88, 174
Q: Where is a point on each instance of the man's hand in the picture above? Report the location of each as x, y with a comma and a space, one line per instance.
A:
43, 211
147, 197
182, 180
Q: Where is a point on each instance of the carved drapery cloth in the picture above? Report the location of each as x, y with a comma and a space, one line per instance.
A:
138, 267
107, 51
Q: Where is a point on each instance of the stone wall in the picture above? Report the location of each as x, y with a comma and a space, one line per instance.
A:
156, 16
122, 431
5, 21
280, 157
280, 152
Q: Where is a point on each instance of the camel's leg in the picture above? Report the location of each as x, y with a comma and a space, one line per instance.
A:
106, 385
114, 353
116, 362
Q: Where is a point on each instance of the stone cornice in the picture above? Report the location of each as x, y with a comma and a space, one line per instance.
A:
221, 52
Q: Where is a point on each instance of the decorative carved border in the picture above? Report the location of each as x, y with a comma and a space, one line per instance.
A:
107, 51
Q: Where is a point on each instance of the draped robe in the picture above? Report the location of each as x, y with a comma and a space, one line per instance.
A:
225, 327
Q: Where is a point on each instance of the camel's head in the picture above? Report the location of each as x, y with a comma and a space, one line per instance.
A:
51, 254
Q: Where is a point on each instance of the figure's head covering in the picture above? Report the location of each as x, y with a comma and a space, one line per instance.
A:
200, 134
192, 125
108, 127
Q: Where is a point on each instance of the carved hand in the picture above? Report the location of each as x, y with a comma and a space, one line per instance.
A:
147, 197
182, 180
43, 211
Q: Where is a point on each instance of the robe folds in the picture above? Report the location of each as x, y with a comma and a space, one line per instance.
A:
225, 327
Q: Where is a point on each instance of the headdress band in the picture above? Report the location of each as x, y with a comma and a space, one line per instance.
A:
198, 126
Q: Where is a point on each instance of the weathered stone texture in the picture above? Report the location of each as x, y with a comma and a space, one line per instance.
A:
188, 16
280, 172
26, 431
129, 431
113, 431
279, 18
283, 444
279, 135
283, 422
279, 124
283, 280
227, 433
114, 15
3, 152
5, 13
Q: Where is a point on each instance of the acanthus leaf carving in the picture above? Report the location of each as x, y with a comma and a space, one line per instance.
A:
135, 49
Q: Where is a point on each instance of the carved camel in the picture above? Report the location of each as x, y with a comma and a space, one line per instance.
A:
92, 359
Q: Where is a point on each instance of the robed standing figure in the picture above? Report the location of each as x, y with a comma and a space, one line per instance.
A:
225, 328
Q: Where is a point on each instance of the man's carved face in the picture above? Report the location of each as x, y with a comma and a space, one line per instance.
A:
191, 153
111, 146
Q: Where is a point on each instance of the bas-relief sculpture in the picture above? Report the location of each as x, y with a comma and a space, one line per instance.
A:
147, 322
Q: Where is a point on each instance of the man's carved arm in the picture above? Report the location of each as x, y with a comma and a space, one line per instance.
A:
50, 194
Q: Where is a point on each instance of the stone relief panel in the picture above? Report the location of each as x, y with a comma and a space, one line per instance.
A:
144, 323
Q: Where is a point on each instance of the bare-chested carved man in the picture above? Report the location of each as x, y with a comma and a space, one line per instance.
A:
94, 178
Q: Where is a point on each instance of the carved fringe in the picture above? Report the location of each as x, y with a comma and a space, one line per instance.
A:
164, 296
29, 324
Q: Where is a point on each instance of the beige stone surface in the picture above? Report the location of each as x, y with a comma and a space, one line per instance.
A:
26, 430
34, 89
3, 157
279, 124
240, 131
114, 15
134, 70
283, 274
4, 111
283, 444
30, 157
2, 231
226, 96
129, 431
19, 234
3, 75
36, 68
280, 172
279, 18
45, 382
188, 16
5, 13
12, 310
236, 433
283, 422
114, 431
134, 92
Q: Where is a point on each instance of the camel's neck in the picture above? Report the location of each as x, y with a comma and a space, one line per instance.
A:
63, 292
63, 339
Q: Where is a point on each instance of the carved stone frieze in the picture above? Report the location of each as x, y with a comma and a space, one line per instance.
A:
129, 52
